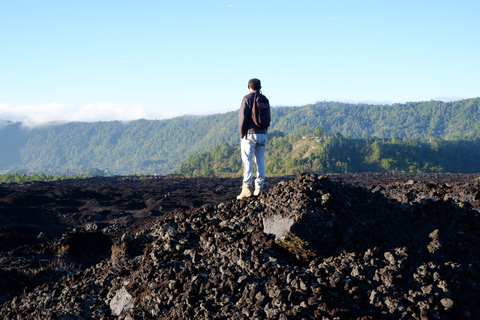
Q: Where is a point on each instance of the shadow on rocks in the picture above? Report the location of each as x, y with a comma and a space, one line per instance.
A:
430, 247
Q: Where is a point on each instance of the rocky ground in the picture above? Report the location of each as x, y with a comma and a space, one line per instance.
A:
384, 246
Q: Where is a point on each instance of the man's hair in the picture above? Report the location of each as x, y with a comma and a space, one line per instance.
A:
255, 84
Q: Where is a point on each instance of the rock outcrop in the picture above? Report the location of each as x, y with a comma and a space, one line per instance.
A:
330, 251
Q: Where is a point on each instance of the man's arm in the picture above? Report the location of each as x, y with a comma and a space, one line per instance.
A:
242, 118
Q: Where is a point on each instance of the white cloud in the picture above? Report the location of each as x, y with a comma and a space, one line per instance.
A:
41, 114
108, 111
448, 98
55, 113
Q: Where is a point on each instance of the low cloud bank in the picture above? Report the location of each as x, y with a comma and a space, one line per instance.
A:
54, 112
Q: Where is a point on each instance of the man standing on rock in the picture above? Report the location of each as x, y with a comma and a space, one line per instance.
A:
253, 140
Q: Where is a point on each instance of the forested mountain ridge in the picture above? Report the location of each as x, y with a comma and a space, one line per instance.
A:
329, 154
448, 120
159, 146
148, 146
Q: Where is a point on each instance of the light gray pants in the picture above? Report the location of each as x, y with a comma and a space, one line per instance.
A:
253, 149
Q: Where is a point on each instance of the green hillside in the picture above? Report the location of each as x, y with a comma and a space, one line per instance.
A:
414, 119
291, 154
160, 146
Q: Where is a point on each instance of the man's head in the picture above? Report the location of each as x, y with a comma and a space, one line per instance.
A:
254, 84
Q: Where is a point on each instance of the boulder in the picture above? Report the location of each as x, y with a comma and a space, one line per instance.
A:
313, 216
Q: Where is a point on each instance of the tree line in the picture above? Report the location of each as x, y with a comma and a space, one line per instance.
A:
40, 177
333, 153
160, 146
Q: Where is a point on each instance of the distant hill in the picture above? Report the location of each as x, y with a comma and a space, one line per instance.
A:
160, 146
330, 154
413, 119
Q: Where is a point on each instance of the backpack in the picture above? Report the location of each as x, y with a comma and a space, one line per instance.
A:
261, 111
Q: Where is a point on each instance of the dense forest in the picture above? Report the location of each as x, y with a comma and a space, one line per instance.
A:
293, 153
160, 146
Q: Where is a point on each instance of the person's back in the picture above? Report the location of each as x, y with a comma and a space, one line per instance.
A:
253, 140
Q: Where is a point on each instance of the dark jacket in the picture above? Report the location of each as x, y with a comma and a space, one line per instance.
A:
245, 122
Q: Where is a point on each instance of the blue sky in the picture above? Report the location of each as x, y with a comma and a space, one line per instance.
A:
122, 60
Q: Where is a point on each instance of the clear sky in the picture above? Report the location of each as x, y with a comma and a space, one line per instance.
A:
121, 60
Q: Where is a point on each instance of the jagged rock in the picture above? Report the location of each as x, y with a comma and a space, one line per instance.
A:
121, 301
278, 225
363, 255
314, 216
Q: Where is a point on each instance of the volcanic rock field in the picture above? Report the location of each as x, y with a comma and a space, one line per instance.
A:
350, 246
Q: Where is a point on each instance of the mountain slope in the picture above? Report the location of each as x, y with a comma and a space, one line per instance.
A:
159, 146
